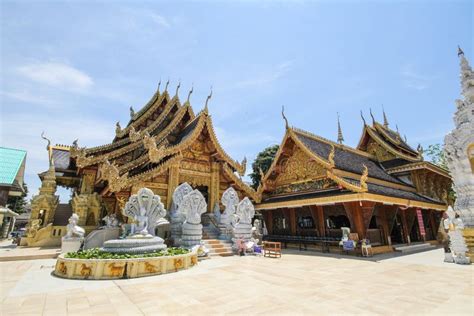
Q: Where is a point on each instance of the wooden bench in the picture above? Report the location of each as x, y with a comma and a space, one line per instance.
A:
272, 249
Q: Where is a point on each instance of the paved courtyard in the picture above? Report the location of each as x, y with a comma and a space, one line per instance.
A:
298, 283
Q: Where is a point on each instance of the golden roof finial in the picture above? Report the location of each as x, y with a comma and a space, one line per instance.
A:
460, 52
118, 128
159, 84
177, 87
132, 112
48, 148
405, 138
284, 117
206, 109
167, 83
385, 121
340, 137
371, 115
362, 116
190, 92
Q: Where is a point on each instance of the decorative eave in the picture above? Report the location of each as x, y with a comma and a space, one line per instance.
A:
241, 185
352, 197
123, 182
373, 134
420, 165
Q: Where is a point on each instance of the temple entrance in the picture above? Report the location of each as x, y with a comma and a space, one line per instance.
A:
396, 235
204, 191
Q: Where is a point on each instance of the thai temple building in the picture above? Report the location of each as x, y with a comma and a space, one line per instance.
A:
382, 189
459, 148
163, 145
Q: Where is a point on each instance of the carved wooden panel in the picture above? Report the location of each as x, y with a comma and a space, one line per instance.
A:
298, 167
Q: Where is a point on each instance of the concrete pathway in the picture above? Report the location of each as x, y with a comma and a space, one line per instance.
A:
298, 283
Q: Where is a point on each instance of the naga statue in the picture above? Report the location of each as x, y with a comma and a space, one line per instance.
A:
243, 220
176, 217
229, 199
192, 206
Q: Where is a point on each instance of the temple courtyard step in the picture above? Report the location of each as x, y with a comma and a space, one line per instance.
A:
218, 247
13, 253
414, 248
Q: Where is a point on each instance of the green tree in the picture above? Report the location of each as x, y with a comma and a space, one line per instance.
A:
263, 161
436, 155
17, 203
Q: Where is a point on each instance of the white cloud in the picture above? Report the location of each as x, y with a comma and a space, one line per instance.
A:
160, 20
28, 97
267, 77
57, 75
413, 79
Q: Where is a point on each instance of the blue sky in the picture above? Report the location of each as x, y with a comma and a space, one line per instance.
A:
74, 68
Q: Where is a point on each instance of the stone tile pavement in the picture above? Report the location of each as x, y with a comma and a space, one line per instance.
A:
298, 283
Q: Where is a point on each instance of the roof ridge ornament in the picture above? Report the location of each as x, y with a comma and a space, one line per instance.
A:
159, 84
118, 128
363, 178
363, 119
177, 87
371, 115
385, 121
190, 92
132, 112
287, 126
48, 148
167, 84
460, 51
331, 155
340, 137
206, 109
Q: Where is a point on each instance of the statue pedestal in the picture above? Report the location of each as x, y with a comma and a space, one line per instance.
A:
243, 231
71, 244
192, 235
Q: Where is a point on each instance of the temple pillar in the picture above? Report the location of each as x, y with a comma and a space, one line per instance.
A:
292, 212
214, 186
355, 209
269, 221
434, 228
173, 182
406, 233
318, 215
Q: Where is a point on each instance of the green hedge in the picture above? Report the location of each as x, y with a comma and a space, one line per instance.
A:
96, 253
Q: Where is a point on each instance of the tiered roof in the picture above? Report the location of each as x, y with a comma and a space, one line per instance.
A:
153, 140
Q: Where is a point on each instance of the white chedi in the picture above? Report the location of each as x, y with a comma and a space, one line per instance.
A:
176, 216
459, 146
192, 206
242, 220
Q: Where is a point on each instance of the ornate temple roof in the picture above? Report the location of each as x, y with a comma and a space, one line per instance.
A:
154, 138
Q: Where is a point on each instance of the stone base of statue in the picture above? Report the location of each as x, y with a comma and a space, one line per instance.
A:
462, 259
243, 231
175, 231
448, 257
97, 237
225, 231
191, 235
71, 244
136, 244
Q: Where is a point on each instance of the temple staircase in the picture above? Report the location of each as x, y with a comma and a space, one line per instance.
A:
210, 238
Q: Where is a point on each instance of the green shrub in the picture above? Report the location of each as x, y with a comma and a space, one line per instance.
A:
96, 253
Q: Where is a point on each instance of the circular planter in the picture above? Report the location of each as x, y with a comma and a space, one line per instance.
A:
109, 269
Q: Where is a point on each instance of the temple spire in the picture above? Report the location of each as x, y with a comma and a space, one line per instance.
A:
385, 121
284, 117
340, 137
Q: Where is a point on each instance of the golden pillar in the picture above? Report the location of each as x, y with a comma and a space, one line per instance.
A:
173, 182
214, 186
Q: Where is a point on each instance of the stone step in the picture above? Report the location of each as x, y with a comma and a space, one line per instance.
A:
412, 248
221, 254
